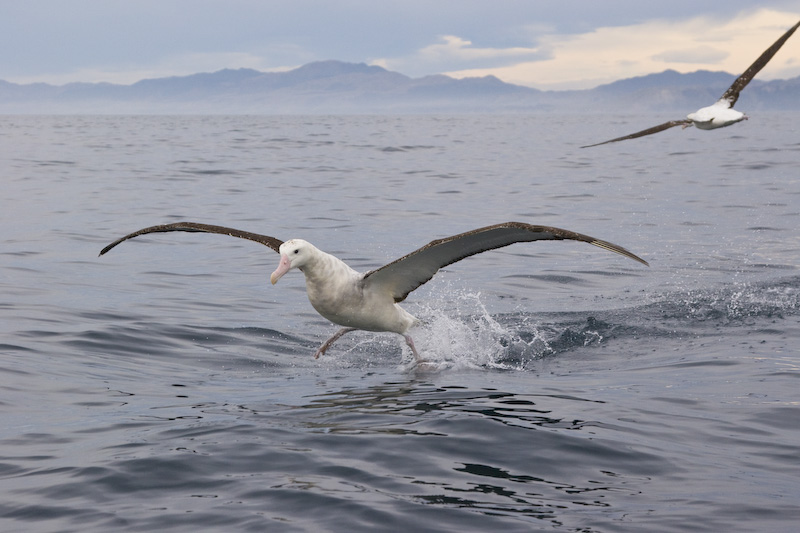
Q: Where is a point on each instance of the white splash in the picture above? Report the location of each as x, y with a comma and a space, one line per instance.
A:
466, 335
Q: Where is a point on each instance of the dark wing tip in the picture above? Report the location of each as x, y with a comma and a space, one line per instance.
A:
151, 229
611, 247
564, 234
107, 248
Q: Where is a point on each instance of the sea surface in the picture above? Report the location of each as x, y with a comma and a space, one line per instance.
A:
168, 386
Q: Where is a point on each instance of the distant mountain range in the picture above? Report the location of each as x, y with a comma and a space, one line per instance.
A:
338, 87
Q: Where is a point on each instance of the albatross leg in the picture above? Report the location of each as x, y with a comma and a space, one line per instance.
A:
327, 344
410, 343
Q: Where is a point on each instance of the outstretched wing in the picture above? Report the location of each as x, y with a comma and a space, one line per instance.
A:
402, 276
270, 242
655, 129
732, 94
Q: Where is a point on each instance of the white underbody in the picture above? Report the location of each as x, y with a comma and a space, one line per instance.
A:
718, 115
338, 293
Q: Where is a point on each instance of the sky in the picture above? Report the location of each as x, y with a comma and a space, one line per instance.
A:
545, 44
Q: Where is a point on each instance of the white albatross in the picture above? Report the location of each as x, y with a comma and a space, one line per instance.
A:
721, 113
369, 301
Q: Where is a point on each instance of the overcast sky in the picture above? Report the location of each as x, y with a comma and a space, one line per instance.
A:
547, 44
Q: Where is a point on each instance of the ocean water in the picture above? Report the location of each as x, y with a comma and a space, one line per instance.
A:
167, 386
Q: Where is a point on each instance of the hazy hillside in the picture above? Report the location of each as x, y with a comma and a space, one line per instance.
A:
337, 87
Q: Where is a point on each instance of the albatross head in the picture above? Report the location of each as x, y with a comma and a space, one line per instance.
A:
294, 254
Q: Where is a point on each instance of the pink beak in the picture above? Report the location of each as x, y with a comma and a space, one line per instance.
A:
283, 268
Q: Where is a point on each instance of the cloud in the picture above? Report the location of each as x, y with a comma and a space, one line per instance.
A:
452, 52
453, 48
504, 43
697, 54
610, 53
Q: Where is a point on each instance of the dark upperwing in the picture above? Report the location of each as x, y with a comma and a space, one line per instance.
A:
404, 275
732, 94
649, 131
270, 242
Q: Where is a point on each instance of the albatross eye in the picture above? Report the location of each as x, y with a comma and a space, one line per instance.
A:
297, 251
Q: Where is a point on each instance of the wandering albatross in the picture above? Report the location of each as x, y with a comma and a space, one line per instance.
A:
368, 301
721, 112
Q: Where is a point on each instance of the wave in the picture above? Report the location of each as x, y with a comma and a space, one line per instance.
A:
457, 332
471, 337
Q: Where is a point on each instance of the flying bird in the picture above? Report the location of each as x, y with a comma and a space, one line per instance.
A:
368, 301
720, 113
